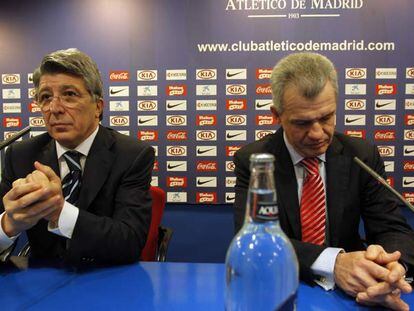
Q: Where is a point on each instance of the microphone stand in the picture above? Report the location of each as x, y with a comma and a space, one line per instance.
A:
14, 137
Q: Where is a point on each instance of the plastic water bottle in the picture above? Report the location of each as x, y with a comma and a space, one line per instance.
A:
261, 265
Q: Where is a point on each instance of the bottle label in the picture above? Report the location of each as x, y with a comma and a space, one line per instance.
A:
289, 304
266, 211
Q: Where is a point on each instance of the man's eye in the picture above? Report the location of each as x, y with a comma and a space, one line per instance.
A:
70, 94
44, 97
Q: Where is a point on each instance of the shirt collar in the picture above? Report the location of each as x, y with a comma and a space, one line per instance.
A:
294, 155
83, 148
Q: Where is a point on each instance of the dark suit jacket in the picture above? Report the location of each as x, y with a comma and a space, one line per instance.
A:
352, 194
114, 203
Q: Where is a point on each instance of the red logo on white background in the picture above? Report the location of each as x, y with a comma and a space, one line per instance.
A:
409, 119
356, 133
385, 135
268, 119
206, 166
176, 90
12, 122
236, 104
230, 150
177, 182
263, 73
119, 75
206, 197
263, 89
148, 135
386, 89
203, 120
177, 135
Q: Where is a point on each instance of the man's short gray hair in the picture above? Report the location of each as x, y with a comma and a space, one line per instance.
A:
309, 72
73, 62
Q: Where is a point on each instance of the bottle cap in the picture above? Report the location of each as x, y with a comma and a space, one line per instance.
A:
262, 158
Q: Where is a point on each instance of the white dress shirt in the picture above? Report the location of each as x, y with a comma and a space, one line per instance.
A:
324, 265
69, 214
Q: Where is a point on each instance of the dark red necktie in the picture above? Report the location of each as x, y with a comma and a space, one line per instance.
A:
312, 204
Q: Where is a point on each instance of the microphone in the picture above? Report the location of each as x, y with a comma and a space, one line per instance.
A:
374, 174
14, 137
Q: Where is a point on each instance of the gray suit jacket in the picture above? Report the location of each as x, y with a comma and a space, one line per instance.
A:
114, 202
352, 196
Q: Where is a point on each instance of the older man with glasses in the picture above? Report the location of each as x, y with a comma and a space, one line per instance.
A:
80, 191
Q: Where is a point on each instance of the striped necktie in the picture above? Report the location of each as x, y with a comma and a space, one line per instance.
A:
312, 204
72, 182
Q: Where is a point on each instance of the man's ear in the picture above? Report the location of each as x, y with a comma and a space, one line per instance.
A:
99, 108
275, 114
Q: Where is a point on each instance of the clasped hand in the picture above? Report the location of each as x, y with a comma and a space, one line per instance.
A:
37, 196
373, 277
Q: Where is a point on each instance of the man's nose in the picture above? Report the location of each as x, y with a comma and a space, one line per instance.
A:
315, 131
56, 105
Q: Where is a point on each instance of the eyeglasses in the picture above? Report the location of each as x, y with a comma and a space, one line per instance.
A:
69, 99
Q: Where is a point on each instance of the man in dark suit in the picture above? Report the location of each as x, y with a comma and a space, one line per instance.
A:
102, 214
304, 88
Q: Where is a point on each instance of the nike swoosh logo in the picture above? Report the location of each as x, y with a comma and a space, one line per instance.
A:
259, 105
115, 92
204, 151
229, 75
406, 183
173, 105
408, 151
382, 105
348, 120
207, 181
229, 198
233, 135
170, 166
140, 121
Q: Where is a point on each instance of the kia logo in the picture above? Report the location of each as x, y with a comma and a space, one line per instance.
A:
355, 104
176, 150
206, 135
385, 120
355, 73
9, 79
176, 120
119, 120
236, 120
236, 89
261, 134
409, 134
206, 74
384, 151
147, 105
146, 75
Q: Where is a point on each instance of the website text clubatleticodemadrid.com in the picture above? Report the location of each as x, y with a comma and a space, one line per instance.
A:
286, 45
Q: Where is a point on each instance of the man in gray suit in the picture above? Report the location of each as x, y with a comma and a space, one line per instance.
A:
80, 191
305, 89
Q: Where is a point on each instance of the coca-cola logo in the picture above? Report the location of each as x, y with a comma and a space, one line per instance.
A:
206, 135
384, 120
119, 120
203, 120
37, 122
147, 105
265, 120
385, 135
34, 108
177, 182
206, 74
355, 104
231, 150
177, 135
262, 73
355, 73
236, 120
146, 75
206, 197
356, 133
230, 166
176, 90
385, 151
148, 135
12, 122
236, 104
236, 89
386, 89
118, 75
176, 120
206, 166
409, 119
176, 150
409, 166
11, 79
409, 134
261, 134
263, 89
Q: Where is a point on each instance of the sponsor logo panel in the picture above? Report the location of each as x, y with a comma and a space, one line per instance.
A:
147, 105
385, 104
389, 166
408, 182
355, 73
118, 105
10, 93
408, 166
231, 150
232, 120
409, 119
148, 135
409, 104
355, 89
176, 120
12, 121
386, 73
150, 120
119, 75
12, 108
147, 90
30, 78
206, 105
206, 74
409, 89
409, 196
180, 182
33, 108
268, 119
230, 197
236, 135
408, 134
10, 78
236, 74
206, 90
356, 133
206, 197
408, 151
119, 91
176, 166
154, 181
262, 104
386, 151
176, 135
206, 151
259, 134
176, 74
263, 89
386, 89
263, 73
31, 92
354, 119
384, 119
206, 166
230, 182
176, 105
355, 104
119, 120
206, 181
385, 135
176, 151
147, 75
37, 122
176, 197
236, 89
206, 135
409, 73
236, 104
206, 120
230, 166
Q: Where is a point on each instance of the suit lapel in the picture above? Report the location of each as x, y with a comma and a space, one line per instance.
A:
337, 179
286, 184
48, 156
97, 167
